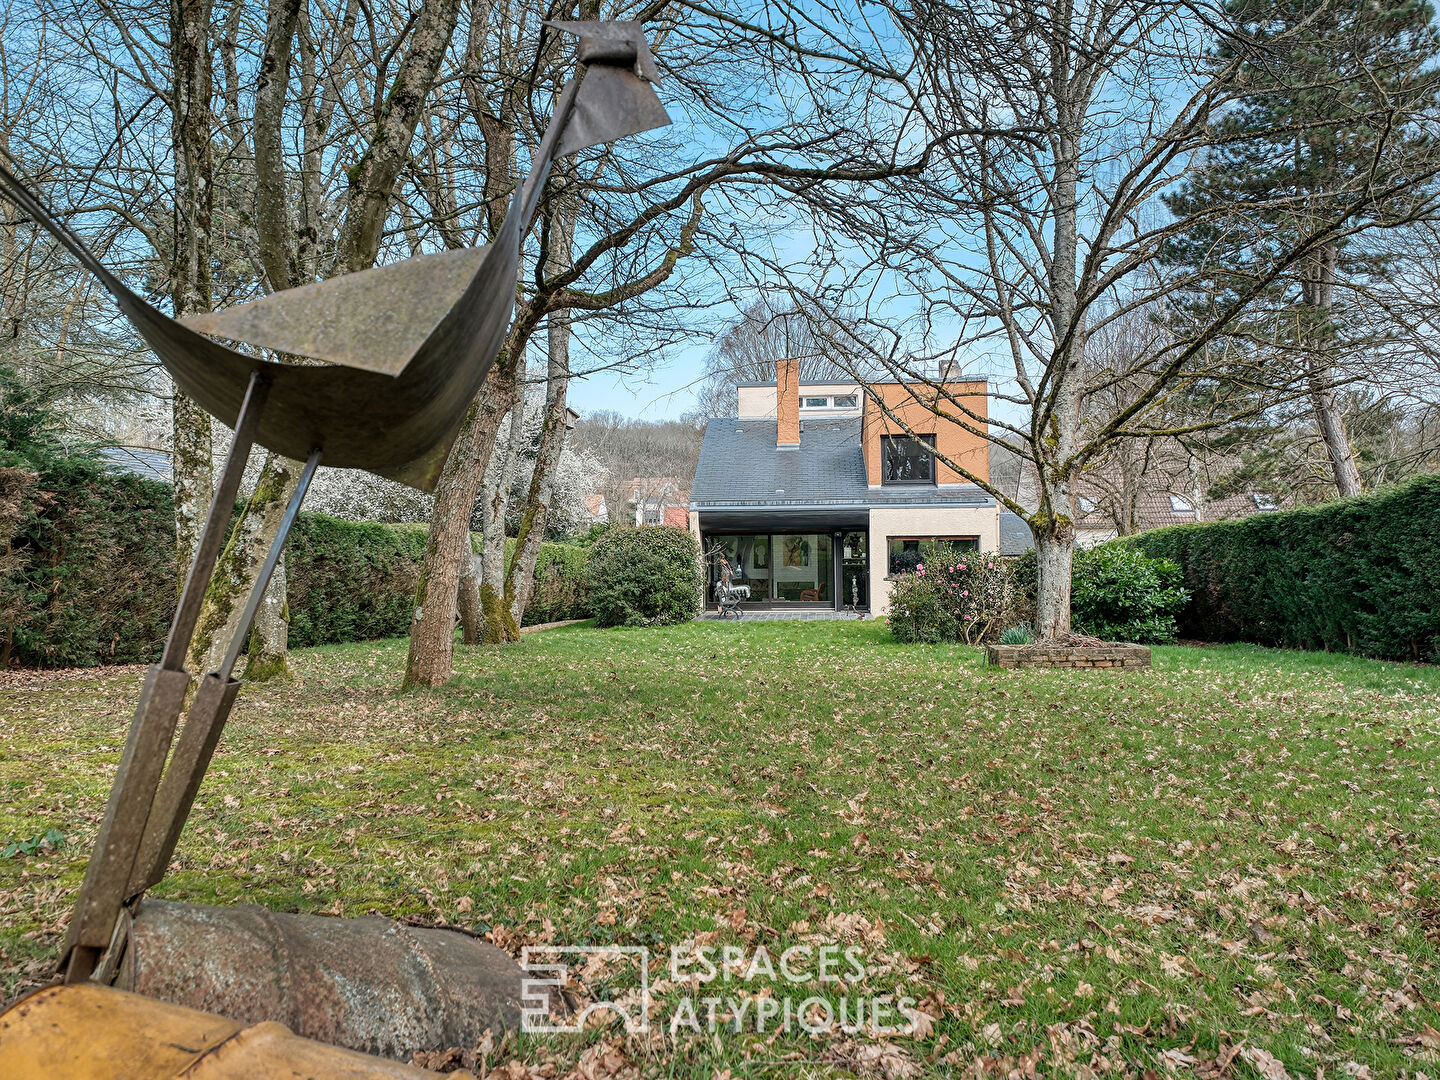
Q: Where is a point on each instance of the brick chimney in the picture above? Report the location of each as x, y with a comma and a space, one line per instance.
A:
787, 402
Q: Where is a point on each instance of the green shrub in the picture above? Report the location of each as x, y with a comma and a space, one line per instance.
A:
1023, 634
562, 589
1120, 594
1116, 593
954, 595
87, 559
1358, 574
644, 577
350, 580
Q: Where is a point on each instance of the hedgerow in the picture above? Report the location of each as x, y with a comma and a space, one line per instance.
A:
644, 577
1361, 575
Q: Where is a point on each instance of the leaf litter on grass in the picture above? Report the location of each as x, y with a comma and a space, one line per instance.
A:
1222, 866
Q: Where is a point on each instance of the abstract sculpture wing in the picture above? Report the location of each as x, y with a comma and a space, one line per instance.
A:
406, 346
404, 350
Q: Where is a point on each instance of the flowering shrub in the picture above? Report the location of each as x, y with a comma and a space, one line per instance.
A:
954, 595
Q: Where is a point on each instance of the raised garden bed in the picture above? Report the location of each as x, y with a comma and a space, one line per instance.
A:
1107, 654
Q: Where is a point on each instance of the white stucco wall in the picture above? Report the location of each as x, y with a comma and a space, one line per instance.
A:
758, 402
981, 521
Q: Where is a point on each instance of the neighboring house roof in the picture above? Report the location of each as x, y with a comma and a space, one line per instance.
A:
1155, 507
595, 507
1015, 536
151, 464
677, 517
741, 467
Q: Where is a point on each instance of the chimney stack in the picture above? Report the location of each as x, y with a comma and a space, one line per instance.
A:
787, 403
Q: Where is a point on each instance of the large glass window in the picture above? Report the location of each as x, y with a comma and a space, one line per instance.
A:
854, 571
907, 459
907, 552
803, 567
749, 559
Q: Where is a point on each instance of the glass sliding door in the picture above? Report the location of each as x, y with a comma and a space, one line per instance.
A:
854, 570
803, 568
749, 559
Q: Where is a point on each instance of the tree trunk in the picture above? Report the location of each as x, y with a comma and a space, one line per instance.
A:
1318, 295
432, 626
1332, 431
471, 617
241, 559
1054, 556
269, 645
191, 125
193, 475
499, 627
520, 576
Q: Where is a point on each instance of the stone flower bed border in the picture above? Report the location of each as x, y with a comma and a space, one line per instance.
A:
1049, 654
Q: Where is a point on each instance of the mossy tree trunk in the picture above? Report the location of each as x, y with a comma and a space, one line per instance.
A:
432, 627
499, 627
191, 128
471, 618
235, 574
520, 574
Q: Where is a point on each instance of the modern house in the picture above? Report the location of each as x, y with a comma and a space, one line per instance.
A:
818, 499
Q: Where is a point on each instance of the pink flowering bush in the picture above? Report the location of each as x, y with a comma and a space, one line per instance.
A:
954, 595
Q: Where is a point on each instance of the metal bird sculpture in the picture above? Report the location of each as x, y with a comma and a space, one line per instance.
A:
404, 349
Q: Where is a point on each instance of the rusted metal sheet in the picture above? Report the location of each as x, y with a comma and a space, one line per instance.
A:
112, 861
370, 984
193, 750
411, 343
89, 1032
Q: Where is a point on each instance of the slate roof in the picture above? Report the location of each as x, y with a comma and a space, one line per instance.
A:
152, 464
742, 468
1015, 537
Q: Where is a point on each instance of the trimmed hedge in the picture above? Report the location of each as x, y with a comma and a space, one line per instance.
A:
562, 587
89, 565
1361, 575
87, 570
350, 580
645, 577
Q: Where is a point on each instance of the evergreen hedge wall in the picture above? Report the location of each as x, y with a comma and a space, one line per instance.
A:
87, 570
1361, 575
350, 580
87, 565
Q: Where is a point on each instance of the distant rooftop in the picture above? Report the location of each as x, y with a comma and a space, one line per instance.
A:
152, 464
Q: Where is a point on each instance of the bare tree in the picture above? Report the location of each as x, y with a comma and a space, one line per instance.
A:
1047, 239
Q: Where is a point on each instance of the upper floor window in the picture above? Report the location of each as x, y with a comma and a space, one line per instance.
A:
847, 401
1180, 505
906, 459
816, 402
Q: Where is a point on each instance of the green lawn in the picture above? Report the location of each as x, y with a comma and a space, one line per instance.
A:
1113, 871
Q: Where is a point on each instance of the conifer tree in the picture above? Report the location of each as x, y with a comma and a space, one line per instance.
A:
1341, 102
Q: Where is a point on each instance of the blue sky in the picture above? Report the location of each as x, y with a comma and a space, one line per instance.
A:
661, 393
